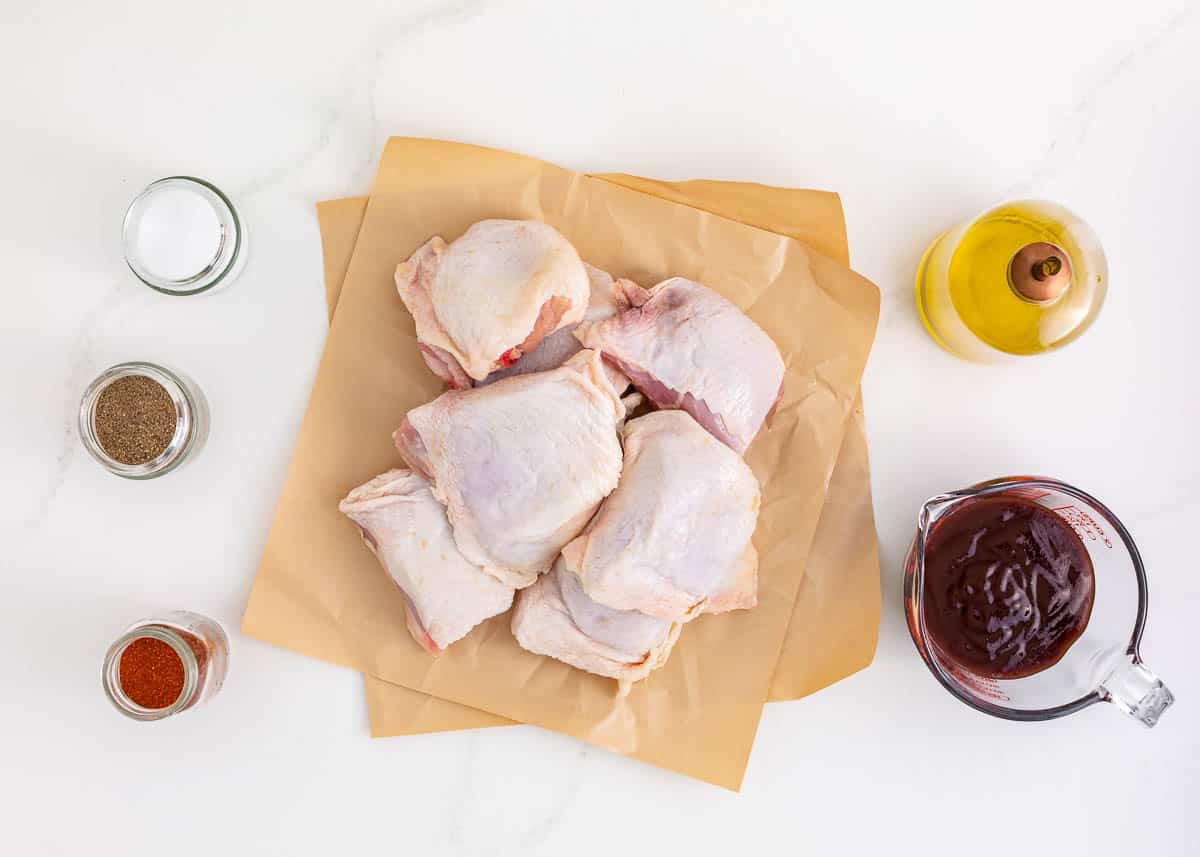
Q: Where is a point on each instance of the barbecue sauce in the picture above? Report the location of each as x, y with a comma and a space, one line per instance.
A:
1009, 586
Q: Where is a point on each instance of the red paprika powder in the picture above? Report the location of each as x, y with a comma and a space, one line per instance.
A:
158, 668
151, 674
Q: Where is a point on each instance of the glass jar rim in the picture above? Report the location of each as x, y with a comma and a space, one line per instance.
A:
111, 680
222, 265
185, 420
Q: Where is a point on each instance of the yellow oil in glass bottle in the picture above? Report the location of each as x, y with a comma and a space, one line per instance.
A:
1022, 278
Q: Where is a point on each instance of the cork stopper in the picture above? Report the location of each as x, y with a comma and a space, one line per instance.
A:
1040, 272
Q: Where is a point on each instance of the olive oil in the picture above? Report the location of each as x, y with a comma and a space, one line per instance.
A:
1023, 278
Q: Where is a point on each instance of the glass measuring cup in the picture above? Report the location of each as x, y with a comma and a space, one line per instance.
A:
1103, 665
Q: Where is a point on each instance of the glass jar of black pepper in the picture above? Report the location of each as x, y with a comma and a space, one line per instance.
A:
141, 420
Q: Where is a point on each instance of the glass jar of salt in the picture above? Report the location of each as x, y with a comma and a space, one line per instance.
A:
182, 236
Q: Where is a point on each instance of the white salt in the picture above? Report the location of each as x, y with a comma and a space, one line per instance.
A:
177, 234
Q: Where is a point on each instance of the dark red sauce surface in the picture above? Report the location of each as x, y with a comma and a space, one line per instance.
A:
1009, 586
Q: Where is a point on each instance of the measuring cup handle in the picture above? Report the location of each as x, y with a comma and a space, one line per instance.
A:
1137, 691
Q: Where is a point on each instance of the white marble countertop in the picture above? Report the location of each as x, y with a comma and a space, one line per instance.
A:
919, 114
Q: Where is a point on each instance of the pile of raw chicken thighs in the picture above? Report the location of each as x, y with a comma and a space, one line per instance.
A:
534, 475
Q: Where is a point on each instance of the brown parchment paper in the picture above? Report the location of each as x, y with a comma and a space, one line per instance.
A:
319, 591
834, 627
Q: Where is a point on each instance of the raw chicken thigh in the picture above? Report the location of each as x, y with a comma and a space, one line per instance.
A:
445, 595
626, 630
555, 617
673, 539
521, 465
491, 295
607, 298
686, 347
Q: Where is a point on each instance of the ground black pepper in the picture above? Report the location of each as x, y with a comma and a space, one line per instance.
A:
135, 419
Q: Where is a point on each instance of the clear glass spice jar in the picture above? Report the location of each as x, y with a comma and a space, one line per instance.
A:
190, 412
182, 236
165, 665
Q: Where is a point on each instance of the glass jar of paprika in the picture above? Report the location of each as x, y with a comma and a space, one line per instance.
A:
162, 666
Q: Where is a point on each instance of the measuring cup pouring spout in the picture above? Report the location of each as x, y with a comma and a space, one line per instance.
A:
1107, 587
